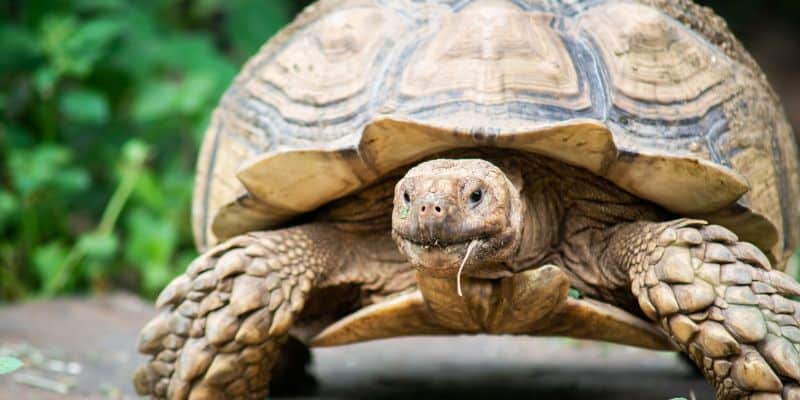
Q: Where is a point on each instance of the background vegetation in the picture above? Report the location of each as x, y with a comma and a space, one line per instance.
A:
103, 104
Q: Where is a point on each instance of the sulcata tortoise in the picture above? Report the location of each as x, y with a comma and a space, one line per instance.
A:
385, 168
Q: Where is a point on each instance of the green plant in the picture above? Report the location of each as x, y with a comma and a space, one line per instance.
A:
9, 364
103, 106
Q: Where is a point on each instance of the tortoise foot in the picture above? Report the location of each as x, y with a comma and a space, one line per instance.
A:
223, 324
721, 302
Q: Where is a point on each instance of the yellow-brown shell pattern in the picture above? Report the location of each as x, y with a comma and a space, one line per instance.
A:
665, 78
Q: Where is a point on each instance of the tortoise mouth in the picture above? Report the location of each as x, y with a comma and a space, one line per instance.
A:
435, 243
434, 255
444, 259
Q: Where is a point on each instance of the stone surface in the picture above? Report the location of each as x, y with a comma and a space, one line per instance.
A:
102, 337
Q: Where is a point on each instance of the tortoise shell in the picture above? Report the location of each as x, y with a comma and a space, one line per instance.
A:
657, 97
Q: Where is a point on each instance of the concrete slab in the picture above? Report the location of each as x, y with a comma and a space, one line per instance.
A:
85, 349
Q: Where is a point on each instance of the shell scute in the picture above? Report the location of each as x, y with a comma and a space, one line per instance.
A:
527, 58
658, 98
658, 69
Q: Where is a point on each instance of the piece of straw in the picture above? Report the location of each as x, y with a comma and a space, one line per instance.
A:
471, 246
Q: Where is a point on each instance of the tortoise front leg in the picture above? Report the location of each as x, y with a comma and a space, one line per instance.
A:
222, 322
719, 300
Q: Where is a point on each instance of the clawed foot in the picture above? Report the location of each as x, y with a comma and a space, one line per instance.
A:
721, 302
224, 322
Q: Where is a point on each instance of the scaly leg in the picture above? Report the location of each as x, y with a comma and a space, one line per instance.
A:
222, 322
719, 300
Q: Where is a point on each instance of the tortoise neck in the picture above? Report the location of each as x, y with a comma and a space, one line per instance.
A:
540, 220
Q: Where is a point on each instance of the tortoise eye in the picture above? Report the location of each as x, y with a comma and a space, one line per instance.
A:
406, 197
476, 196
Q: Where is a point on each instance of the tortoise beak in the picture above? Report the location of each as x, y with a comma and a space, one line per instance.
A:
435, 218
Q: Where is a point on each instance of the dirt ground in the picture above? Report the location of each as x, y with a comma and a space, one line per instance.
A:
85, 349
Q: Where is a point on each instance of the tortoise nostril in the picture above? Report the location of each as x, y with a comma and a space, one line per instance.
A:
438, 209
422, 209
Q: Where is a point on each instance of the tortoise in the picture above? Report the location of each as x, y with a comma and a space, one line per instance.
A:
609, 170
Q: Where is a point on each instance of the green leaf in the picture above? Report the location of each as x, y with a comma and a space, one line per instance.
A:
196, 91
45, 79
47, 258
9, 207
81, 105
98, 260
9, 364
98, 5
74, 46
54, 31
14, 138
97, 246
151, 239
71, 180
148, 191
135, 152
18, 47
252, 22
142, 41
155, 277
150, 246
200, 126
206, 8
155, 101
192, 54
46, 167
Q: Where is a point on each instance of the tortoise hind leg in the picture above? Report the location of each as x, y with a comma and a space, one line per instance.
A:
719, 300
223, 322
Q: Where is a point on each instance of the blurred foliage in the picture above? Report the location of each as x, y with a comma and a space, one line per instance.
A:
103, 104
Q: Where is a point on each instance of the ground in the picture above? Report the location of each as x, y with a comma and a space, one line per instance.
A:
85, 349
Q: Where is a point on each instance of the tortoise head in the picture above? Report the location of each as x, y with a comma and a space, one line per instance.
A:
459, 214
